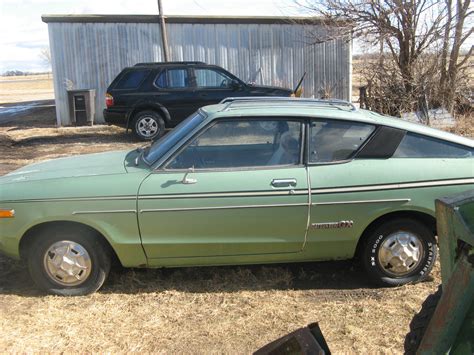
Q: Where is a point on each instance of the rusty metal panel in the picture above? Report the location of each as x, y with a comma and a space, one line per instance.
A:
452, 311
452, 327
89, 55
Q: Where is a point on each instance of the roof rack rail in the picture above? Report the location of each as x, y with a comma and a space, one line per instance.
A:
166, 63
316, 102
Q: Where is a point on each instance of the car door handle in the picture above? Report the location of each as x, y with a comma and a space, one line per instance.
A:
284, 182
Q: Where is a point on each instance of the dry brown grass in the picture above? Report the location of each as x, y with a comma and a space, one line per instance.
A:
26, 88
189, 310
208, 310
465, 125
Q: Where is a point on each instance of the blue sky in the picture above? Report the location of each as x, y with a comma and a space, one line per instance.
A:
24, 34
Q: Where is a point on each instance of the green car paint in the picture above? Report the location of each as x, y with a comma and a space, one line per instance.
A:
152, 216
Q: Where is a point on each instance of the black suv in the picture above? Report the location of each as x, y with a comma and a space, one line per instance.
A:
151, 96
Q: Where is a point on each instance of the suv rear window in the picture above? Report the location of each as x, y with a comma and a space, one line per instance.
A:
132, 79
418, 146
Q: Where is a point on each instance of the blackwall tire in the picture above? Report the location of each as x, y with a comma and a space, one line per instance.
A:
398, 252
420, 321
148, 125
68, 263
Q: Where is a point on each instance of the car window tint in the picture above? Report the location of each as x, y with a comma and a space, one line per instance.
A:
208, 78
243, 143
173, 79
132, 79
418, 146
332, 140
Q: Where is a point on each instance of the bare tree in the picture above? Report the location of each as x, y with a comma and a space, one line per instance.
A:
451, 64
45, 55
416, 35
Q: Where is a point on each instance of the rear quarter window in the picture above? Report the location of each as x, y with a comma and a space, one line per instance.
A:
332, 140
419, 146
132, 79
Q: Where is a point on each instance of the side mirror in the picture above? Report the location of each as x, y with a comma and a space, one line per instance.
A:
236, 85
186, 180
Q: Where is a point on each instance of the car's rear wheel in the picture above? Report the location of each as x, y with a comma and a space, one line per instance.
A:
148, 125
68, 263
398, 252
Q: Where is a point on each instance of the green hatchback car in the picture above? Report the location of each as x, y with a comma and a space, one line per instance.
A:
247, 181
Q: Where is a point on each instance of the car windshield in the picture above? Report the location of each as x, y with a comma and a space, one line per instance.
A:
164, 144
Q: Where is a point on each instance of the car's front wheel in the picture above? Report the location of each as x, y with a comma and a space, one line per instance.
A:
68, 263
399, 251
148, 125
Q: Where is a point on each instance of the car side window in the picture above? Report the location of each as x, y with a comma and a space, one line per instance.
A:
419, 146
208, 78
173, 79
332, 140
243, 143
132, 79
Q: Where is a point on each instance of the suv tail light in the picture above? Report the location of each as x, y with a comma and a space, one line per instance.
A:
109, 100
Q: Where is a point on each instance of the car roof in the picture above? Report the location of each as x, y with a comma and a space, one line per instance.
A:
168, 64
331, 109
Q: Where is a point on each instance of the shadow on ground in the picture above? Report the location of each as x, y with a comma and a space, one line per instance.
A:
335, 279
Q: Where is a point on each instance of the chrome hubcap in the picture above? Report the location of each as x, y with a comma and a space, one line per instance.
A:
147, 126
67, 263
400, 253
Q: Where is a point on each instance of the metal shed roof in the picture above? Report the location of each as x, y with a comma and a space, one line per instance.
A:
186, 19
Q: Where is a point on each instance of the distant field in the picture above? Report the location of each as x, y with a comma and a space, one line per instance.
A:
26, 88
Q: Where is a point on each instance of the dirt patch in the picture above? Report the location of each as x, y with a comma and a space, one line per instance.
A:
197, 310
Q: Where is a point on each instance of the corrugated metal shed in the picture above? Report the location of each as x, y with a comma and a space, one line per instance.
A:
89, 51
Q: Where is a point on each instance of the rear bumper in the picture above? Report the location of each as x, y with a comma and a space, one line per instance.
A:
115, 117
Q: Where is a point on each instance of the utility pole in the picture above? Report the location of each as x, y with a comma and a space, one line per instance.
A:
164, 36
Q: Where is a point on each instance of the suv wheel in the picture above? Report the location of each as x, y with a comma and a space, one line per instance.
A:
398, 252
148, 125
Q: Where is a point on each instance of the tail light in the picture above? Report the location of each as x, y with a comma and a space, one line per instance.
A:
109, 100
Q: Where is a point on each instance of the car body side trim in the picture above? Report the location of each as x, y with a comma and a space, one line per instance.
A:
396, 186
361, 188
222, 207
361, 201
308, 218
67, 199
105, 211
226, 194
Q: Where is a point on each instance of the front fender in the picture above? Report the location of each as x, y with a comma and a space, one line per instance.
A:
120, 229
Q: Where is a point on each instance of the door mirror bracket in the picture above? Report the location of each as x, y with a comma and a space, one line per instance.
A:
186, 180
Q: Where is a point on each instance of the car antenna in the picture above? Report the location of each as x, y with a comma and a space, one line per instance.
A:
299, 84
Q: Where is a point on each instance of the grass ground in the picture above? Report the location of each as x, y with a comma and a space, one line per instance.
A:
189, 310
26, 88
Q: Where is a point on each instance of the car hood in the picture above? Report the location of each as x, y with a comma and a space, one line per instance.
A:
76, 166
269, 90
